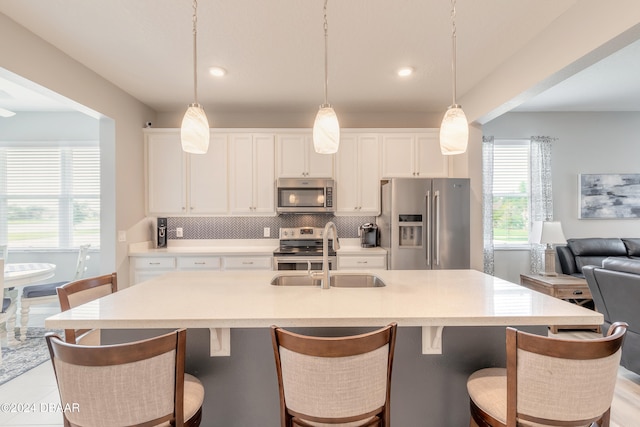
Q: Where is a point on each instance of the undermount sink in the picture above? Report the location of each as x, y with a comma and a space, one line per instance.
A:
345, 280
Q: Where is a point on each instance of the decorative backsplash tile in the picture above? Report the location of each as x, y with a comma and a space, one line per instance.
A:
253, 227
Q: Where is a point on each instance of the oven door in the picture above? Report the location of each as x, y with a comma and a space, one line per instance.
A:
302, 263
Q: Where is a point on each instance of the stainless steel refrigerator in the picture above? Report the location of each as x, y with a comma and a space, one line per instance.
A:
424, 223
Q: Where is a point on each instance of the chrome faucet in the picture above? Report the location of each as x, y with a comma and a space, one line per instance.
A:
324, 274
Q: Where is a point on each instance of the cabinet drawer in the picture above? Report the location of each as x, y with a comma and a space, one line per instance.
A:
155, 263
581, 293
377, 262
247, 263
199, 263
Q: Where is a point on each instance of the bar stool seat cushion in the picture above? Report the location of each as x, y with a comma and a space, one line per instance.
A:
488, 389
193, 398
35, 291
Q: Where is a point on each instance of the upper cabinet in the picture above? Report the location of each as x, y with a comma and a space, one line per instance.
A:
296, 158
251, 174
413, 155
358, 175
166, 174
179, 183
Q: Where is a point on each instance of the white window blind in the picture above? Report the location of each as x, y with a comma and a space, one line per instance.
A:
511, 192
50, 194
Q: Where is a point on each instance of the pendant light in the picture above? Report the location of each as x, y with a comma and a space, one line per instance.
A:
194, 132
326, 129
454, 130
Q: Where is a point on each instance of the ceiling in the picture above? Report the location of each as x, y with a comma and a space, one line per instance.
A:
273, 53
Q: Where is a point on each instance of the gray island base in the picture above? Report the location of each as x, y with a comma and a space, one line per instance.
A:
427, 389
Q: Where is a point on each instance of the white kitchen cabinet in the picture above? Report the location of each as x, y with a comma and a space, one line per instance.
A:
358, 175
296, 158
252, 174
185, 184
145, 268
362, 262
166, 174
208, 183
413, 155
198, 263
261, 262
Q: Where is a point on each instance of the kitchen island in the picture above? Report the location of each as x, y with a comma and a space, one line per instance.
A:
451, 322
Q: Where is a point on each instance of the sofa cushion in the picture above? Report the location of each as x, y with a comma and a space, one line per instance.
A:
594, 250
624, 265
633, 247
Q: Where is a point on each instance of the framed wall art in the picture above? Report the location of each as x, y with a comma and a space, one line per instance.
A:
609, 196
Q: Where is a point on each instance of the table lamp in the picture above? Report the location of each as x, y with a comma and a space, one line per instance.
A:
547, 233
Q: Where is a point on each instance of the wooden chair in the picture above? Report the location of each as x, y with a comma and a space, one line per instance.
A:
548, 382
82, 291
345, 380
46, 293
137, 384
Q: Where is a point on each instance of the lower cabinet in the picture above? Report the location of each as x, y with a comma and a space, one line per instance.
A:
248, 263
148, 267
362, 262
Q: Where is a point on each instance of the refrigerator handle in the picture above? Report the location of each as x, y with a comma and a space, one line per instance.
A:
436, 199
428, 228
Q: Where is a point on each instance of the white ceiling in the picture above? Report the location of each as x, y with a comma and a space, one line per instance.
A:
273, 51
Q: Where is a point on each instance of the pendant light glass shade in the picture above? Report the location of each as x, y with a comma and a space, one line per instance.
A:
194, 131
326, 131
454, 131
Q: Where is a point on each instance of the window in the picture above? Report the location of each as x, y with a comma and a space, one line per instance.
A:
511, 190
50, 194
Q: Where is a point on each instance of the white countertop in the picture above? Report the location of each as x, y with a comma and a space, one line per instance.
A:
239, 299
248, 247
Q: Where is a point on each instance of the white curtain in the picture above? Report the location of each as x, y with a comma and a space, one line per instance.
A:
487, 202
541, 192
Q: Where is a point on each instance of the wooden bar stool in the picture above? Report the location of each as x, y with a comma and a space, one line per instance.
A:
548, 382
344, 381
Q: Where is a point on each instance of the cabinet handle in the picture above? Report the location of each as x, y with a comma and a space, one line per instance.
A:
184, 209
362, 262
199, 263
247, 262
154, 263
577, 292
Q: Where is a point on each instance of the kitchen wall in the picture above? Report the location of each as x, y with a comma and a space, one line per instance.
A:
28, 59
253, 227
606, 142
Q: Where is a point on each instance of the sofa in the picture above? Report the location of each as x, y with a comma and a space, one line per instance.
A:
579, 253
615, 287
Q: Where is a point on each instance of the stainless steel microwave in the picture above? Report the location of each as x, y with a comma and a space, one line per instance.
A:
305, 195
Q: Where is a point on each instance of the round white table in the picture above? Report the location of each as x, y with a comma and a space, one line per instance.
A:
25, 273
17, 275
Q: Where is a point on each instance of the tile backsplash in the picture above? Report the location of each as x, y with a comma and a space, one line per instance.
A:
253, 227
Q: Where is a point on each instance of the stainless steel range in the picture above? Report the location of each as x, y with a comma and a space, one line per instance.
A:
301, 249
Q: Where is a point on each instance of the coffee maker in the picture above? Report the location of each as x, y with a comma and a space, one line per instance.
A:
368, 233
161, 236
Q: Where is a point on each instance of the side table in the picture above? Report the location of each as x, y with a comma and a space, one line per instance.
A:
565, 287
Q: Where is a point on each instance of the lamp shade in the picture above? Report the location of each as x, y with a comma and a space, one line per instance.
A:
547, 232
326, 131
194, 132
454, 131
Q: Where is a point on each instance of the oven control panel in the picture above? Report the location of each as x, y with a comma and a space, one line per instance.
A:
301, 233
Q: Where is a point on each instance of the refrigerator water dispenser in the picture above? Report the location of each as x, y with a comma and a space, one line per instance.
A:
410, 231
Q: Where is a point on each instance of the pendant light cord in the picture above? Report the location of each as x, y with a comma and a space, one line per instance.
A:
326, 61
195, 51
453, 48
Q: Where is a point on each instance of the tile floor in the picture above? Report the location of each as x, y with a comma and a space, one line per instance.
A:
38, 389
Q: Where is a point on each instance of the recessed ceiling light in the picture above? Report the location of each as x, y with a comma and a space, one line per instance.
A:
217, 71
6, 113
405, 71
